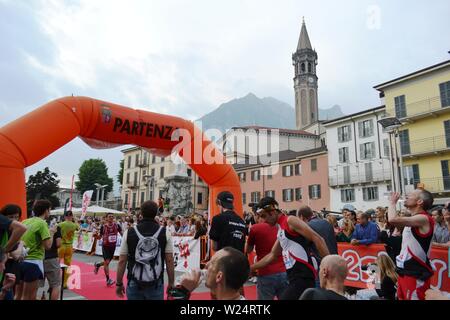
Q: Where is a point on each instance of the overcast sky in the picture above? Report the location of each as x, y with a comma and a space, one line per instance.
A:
186, 57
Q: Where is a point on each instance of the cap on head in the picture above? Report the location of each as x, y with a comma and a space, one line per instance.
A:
268, 204
349, 207
225, 199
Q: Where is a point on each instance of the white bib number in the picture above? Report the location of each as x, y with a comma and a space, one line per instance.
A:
288, 261
112, 238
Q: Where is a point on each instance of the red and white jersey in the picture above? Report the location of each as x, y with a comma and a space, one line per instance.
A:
296, 252
414, 257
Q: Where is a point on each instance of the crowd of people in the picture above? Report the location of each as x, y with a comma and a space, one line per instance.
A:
296, 252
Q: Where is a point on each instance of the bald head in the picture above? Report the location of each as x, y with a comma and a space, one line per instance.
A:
333, 269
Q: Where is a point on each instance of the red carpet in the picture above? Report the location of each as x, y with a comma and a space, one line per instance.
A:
93, 287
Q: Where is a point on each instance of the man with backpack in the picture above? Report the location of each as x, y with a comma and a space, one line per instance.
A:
144, 251
108, 233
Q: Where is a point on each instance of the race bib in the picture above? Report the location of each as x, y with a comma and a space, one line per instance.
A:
112, 238
287, 259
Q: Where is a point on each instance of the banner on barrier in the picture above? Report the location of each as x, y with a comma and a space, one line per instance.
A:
186, 253
83, 241
358, 256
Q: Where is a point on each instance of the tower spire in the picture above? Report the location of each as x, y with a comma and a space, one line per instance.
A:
303, 42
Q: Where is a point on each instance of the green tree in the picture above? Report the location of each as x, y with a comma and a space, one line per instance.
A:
120, 174
94, 171
42, 185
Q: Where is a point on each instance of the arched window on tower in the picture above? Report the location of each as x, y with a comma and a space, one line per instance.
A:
303, 67
309, 67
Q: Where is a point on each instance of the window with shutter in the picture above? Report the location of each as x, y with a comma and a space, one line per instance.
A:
298, 194
447, 132
372, 150
341, 155
444, 89
361, 129
386, 147
404, 142
400, 107
361, 152
445, 174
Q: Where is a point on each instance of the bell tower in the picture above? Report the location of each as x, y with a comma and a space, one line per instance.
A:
305, 81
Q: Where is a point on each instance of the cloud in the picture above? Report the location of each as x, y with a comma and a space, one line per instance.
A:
185, 58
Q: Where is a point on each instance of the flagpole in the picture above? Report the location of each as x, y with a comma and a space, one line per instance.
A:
71, 192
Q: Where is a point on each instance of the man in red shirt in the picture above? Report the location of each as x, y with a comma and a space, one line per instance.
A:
272, 279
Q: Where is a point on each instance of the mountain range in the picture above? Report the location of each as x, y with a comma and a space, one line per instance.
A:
266, 112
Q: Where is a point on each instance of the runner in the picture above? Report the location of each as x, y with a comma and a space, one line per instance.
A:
413, 262
108, 233
294, 239
65, 251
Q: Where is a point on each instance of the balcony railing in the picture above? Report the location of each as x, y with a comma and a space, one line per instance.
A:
423, 108
132, 185
359, 178
143, 163
435, 185
437, 144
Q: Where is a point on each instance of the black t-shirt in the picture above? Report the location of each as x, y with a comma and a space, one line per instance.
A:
228, 230
321, 294
147, 227
53, 252
388, 289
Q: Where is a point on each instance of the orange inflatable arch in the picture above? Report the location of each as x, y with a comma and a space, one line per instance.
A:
32, 137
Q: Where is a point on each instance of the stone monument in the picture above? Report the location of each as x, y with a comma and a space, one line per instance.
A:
178, 190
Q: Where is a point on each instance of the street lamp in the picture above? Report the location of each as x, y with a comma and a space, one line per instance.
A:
391, 125
149, 181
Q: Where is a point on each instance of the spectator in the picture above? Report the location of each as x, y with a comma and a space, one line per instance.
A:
381, 218
347, 231
10, 231
366, 232
13, 213
388, 277
441, 231
37, 239
184, 228
333, 221
322, 227
9, 279
332, 274
68, 229
192, 228
200, 229
227, 228
249, 219
347, 211
143, 284
227, 271
272, 279
52, 268
171, 225
392, 238
177, 226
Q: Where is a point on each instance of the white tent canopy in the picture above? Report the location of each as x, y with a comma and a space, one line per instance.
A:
92, 210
